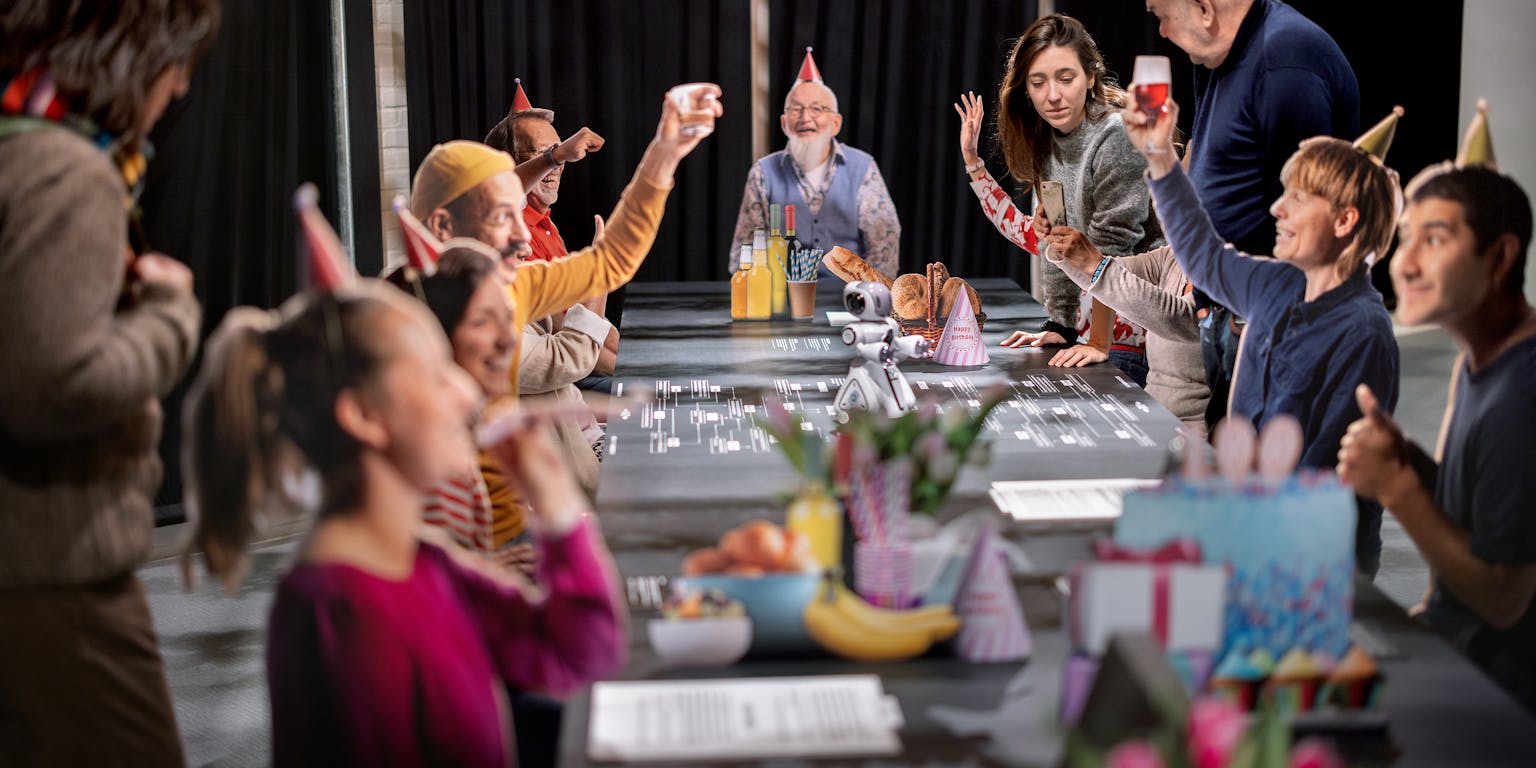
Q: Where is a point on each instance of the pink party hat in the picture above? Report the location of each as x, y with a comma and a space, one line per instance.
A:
519, 98
961, 342
422, 250
329, 268
808, 71
991, 623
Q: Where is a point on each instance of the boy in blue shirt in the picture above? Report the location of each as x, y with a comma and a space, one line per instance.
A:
1316, 327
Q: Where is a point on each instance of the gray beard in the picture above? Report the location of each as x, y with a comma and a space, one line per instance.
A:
545, 195
808, 153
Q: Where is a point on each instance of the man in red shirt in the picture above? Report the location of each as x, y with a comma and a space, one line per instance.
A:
527, 132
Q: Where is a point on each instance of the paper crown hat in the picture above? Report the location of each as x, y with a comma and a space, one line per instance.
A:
519, 98
1378, 139
422, 249
808, 71
1477, 144
329, 268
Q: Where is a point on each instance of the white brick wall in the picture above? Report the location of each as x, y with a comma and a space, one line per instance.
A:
394, 158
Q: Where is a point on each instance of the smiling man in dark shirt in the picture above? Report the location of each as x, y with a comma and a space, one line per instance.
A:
1460, 264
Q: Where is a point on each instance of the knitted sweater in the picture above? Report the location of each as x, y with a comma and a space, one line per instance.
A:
79, 400
1106, 200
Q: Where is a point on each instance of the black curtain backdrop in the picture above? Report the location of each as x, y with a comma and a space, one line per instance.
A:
257, 121
897, 66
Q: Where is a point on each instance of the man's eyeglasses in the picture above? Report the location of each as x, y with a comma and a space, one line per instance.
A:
814, 110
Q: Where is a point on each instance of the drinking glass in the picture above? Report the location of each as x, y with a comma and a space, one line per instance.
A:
1149, 86
693, 108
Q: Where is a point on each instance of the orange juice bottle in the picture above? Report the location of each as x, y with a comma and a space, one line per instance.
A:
739, 284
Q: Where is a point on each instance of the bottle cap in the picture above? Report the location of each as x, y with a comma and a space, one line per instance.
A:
746, 256
789, 218
759, 240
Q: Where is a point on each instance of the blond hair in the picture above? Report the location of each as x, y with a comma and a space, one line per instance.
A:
1349, 177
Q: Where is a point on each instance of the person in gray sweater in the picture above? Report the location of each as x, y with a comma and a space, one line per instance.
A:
1057, 122
94, 335
1150, 290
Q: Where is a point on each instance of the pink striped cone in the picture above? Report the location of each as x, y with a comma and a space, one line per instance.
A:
882, 573
898, 497
961, 342
992, 624
329, 268
422, 250
861, 503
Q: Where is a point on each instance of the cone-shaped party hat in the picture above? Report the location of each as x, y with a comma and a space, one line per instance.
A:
1477, 144
1378, 139
808, 71
329, 268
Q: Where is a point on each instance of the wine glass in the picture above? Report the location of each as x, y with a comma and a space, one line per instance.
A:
1149, 86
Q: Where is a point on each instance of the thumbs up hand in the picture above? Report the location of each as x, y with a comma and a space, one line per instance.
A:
1373, 456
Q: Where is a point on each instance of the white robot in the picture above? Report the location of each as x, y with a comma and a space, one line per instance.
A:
874, 381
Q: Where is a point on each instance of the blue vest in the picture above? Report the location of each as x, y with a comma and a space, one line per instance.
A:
838, 221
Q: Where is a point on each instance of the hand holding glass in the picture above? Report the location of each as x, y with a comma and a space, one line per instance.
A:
693, 108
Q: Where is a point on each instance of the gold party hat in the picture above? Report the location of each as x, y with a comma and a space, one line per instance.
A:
1378, 139
1477, 144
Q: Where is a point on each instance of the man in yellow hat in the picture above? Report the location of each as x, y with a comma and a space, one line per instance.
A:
1316, 327
1460, 264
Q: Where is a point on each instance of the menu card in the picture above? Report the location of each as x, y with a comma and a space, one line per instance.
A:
1047, 501
828, 715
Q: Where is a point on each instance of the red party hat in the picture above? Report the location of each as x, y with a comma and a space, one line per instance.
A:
422, 250
329, 268
519, 99
808, 70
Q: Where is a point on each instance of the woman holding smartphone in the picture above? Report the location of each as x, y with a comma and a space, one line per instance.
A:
1059, 122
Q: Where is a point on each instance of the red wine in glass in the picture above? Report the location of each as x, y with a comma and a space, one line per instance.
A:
1150, 97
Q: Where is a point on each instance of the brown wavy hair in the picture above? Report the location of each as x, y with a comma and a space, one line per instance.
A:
103, 55
1025, 136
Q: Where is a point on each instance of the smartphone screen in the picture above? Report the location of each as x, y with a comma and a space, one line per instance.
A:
1054, 200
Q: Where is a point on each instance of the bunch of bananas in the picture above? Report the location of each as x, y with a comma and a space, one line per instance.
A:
847, 626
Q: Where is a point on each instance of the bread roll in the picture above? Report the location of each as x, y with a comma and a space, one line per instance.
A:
951, 295
847, 265
909, 297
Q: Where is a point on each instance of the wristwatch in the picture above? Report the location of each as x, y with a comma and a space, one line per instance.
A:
1068, 334
550, 153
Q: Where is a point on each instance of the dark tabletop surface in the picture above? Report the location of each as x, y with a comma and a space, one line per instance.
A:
671, 484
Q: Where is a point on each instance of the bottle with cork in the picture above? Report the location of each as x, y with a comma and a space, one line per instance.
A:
778, 257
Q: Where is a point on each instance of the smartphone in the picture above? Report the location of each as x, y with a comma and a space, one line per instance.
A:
1053, 198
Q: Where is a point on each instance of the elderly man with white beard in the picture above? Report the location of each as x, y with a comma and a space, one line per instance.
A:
837, 191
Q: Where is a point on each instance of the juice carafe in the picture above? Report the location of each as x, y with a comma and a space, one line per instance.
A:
819, 518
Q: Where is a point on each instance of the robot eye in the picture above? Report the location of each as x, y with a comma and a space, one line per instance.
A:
856, 304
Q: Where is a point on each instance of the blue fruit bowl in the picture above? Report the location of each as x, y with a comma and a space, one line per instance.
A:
774, 602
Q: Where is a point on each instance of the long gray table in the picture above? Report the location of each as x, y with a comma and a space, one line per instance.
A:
672, 484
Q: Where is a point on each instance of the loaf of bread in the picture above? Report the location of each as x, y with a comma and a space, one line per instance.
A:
847, 265
951, 294
909, 297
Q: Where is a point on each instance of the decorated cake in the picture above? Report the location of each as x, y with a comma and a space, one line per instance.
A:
1287, 539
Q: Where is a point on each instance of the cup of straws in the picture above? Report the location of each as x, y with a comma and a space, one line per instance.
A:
802, 282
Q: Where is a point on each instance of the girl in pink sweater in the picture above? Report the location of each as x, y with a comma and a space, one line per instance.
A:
384, 649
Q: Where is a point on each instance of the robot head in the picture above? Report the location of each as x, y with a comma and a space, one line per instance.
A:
867, 300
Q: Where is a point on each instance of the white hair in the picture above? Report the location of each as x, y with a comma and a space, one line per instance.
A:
830, 95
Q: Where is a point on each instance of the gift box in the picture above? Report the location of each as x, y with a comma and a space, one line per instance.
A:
1178, 604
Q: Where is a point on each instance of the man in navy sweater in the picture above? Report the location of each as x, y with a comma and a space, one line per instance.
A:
1267, 79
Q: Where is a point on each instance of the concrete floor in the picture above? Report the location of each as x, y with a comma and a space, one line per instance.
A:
213, 641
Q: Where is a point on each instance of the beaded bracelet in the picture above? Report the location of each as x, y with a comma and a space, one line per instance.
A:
1100, 271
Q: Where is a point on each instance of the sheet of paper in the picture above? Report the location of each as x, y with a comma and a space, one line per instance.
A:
711, 720
838, 318
1065, 500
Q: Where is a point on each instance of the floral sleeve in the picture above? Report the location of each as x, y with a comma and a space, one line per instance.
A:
1011, 222
752, 216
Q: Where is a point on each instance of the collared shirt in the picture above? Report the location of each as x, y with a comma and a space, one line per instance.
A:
544, 236
1298, 357
1284, 80
878, 228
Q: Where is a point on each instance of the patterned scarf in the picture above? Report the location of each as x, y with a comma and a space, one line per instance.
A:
32, 94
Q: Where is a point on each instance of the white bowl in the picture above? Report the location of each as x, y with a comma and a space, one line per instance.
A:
701, 642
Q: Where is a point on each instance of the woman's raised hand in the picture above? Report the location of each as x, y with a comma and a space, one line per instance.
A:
971, 114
